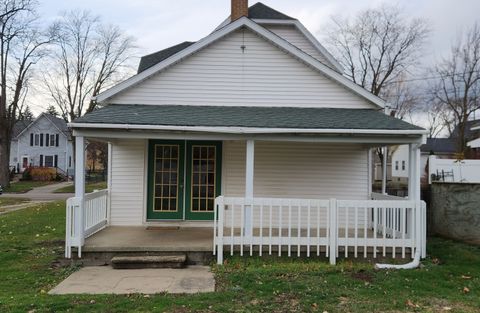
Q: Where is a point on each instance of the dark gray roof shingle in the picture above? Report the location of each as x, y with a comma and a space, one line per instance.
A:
264, 12
150, 60
19, 127
258, 117
439, 145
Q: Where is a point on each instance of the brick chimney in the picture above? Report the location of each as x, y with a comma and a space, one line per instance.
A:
239, 9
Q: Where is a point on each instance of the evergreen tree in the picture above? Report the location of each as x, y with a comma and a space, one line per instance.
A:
26, 114
52, 111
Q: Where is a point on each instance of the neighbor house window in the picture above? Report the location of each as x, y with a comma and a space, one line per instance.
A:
49, 161
37, 139
52, 140
403, 165
396, 165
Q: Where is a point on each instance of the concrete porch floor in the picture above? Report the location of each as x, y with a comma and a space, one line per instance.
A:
150, 239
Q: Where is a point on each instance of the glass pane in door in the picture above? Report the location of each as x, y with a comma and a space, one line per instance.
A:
203, 178
166, 178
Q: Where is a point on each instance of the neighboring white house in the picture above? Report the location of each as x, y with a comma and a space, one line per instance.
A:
253, 136
44, 142
475, 143
400, 162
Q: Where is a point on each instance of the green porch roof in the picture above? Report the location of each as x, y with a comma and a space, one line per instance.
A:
255, 117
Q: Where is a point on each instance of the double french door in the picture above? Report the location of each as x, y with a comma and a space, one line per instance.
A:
184, 177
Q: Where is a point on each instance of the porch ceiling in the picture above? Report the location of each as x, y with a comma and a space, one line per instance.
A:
261, 118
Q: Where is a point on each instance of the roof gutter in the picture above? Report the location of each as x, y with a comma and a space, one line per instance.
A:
248, 130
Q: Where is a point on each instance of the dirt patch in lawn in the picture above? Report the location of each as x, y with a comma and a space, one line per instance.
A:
363, 276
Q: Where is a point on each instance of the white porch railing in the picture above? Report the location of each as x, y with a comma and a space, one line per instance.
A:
381, 196
80, 226
330, 227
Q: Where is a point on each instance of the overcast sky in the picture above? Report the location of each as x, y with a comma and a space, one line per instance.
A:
158, 24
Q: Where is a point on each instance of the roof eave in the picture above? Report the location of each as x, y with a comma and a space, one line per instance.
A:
250, 130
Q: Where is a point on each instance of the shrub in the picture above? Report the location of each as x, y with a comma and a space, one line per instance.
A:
43, 173
27, 175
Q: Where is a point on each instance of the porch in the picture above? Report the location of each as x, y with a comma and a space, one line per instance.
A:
258, 190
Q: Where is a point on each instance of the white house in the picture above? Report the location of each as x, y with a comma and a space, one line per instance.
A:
250, 139
44, 142
475, 143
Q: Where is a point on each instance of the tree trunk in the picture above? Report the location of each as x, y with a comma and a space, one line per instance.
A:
4, 157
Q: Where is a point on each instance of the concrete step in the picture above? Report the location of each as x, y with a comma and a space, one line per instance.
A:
149, 261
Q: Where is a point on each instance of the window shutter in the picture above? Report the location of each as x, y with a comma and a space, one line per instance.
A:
41, 160
41, 140
56, 140
47, 140
55, 162
31, 139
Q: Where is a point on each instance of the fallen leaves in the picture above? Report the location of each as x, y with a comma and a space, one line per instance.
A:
466, 290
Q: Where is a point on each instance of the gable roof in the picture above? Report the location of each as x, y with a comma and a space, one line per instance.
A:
19, 127
58, 123
439, 145
292, 118
157, 57
262, 11
262, 32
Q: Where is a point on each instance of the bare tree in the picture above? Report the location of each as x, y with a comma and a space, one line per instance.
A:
403, 101
436, 117
377, 49
22, 45
457, 91
89, 56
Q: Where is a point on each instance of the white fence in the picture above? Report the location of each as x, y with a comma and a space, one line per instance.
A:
81, 225
323, 227
451, 170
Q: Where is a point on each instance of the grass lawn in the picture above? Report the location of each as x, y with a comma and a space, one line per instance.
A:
24, 186
90, 187
449, 281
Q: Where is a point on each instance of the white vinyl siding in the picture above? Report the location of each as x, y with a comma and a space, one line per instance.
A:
298, 170
291, 34
282, 170
128, 182
223, 74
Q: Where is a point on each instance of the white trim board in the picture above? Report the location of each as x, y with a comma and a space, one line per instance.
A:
373, 140
307, 35
259, 30
250, 130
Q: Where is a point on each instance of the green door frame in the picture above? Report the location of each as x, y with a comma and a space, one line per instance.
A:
184, 194
151, 213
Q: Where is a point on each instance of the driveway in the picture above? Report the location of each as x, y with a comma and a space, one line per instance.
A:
44, 193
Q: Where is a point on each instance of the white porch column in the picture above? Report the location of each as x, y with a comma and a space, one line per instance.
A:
80, 189
384, 170
417, 184
249, 170
369, 169
109, 182
411, 171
